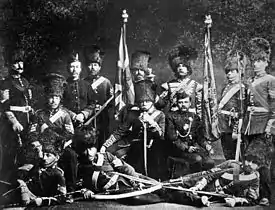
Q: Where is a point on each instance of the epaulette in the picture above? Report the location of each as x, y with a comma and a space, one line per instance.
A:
26, 167
60, 170
134, 108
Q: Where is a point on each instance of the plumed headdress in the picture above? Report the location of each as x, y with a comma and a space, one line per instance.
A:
73, 57
182, 55
54, 84
235, 60
144, 91
18, 55
93, 54
259, 49
140, 60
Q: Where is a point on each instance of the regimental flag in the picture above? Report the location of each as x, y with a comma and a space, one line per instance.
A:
124, 87
210, 103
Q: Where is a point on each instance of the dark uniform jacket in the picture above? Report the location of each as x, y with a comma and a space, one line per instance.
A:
20, 98
184, 129
44, 182
230, 105
78, 98
98, 175
132, 128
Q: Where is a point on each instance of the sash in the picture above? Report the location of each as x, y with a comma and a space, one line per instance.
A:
100, 160
97, 82
155, 114
52, 119
229, 95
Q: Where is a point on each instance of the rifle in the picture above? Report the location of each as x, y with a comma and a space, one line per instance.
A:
236, 171
200, 192
99, 111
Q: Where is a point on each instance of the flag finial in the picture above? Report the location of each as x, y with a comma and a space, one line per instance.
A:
208, 21
125, 16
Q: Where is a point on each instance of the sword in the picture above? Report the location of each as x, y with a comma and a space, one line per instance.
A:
145, 147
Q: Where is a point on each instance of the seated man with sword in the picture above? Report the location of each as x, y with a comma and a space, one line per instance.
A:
141, 132
55, 119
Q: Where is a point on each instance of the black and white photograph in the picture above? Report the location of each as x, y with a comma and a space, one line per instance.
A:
137, 104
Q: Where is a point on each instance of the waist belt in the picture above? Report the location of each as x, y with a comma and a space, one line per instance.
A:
21, 108
257, 109
232, 114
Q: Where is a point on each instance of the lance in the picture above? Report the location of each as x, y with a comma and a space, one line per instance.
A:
99, 111
133, 178
145, 147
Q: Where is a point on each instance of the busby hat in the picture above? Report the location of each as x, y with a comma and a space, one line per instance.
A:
84, 139
18, 55
93, 54
54, 84
140, 60
144, 91
182, 55
259, 49
73, 57
235, 60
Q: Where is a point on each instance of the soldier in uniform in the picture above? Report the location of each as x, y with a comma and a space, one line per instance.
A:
184, 130
260, 118
102, 90
78, 93
131, 133
230, 102
41, 182
16, 109
97, 169
55, 120
180, 62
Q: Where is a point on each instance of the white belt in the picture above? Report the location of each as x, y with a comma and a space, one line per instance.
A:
21, 108
232, 114
257, 109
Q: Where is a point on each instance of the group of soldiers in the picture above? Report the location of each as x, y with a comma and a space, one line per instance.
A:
56, 145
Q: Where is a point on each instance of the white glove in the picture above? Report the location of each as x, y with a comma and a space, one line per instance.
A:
80, 118
102, 149
97, 107
17, 127
87, 193
4, 95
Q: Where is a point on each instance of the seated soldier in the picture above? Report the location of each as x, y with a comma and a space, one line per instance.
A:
141, 120
97, 169
55, 121
42, 183
184, 130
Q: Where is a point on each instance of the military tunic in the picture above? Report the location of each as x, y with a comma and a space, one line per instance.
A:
229, 113
102, 90
98, 175
78, 98
16, 108
191, 87
184, 129
59, 122
130, 135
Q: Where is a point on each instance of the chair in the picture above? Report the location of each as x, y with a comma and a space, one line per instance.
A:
177, 167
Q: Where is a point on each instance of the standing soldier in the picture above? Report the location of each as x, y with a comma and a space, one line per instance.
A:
16, 108
78, 93
260, 119
102, 90
230, 103
179, 60
55, 121
184, 130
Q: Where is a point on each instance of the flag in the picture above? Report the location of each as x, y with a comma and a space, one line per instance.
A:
210, 103
124, 87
